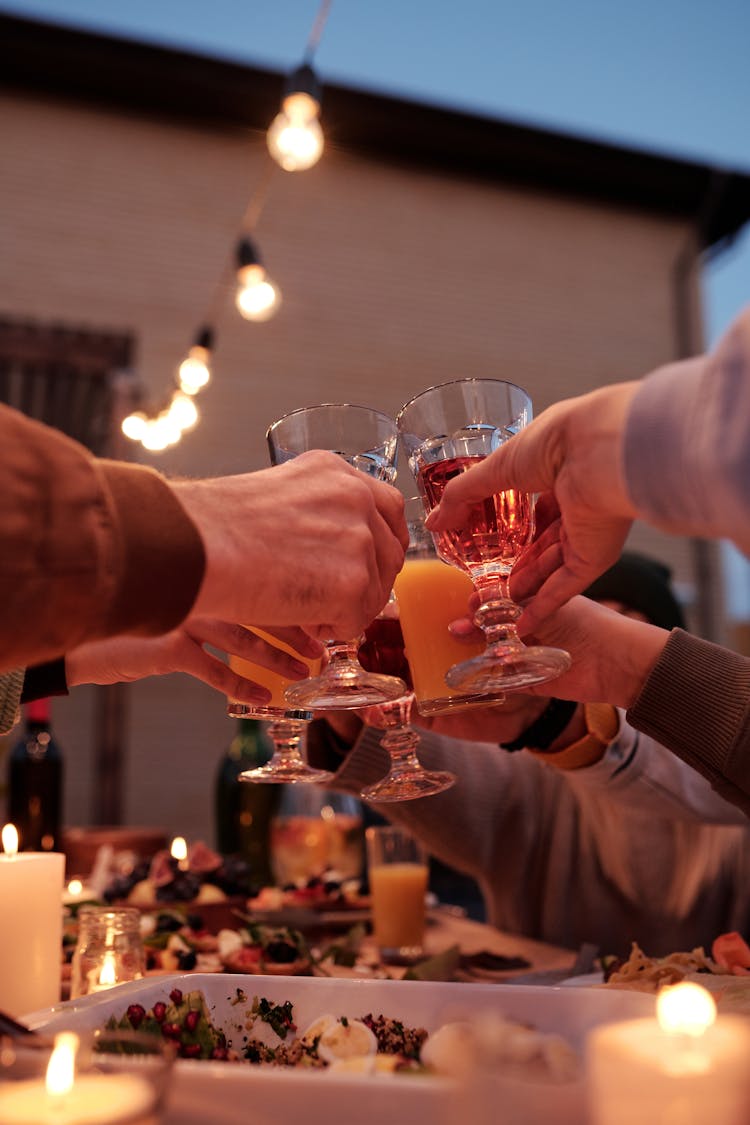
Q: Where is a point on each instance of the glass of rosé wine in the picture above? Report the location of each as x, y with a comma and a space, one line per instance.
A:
368, 440
445, 430
382, 650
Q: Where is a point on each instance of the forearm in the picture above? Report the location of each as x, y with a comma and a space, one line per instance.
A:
89, 548
696, 702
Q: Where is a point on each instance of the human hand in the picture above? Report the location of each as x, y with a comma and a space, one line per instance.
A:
503, 722
312, 542
126, 658
611, 654
573, 451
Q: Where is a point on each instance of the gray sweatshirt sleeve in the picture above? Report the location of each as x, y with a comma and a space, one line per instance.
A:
687, 443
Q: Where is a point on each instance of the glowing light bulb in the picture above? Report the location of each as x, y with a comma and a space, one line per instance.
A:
295, 138
194, 371
134, 426
182, 411
257, 297
294, 144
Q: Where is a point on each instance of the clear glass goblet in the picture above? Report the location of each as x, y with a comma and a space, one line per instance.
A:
383, 650
446, 430
368, 440
286, 725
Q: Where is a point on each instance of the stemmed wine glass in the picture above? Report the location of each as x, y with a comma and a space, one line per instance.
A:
383, 650
286, 725
445, 431
368, 440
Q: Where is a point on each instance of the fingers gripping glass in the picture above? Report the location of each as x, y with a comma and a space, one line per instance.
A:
368, 440
445, 431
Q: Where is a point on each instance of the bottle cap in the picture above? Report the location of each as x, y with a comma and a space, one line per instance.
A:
37, 711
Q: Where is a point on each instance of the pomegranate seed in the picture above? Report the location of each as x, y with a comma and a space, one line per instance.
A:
176, 996
136, 1014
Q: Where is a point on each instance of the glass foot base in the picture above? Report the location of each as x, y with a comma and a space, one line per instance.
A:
409, 786
287, 773
322, 693
509, 670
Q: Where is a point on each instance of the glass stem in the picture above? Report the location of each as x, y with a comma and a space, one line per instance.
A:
342, 658
286, 735
400, 739
497, 613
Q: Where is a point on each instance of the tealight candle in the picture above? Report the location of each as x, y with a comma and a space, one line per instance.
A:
31, 931
179, 851
77, 892
64, 1098
686, 1067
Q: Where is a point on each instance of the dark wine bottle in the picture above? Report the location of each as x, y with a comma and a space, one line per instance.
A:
244, 809
35, 782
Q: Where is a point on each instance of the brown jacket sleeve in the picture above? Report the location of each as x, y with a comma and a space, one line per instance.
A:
88, 548
696, 702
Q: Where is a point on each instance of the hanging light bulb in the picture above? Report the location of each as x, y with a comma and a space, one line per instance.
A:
295, 138
257, 296
182, 411
134, 426
194, 372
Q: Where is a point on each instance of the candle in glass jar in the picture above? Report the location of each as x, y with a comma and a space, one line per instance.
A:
686, 1067
31, 886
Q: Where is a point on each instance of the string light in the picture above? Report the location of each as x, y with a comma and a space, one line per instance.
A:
295, 137
194, 371
258, 298
295, 142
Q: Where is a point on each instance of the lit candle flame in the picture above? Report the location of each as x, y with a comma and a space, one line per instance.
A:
685, 1009
10, 839
179, 852
62, 1064
75, 886
108, 973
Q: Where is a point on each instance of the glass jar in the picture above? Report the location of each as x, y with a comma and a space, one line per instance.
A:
109, 949
316, 832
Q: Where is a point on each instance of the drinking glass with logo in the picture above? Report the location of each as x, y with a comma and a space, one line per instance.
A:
286, 724
368, 440
397, 873
446, 430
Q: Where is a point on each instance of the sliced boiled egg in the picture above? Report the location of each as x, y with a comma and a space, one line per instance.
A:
346, 1039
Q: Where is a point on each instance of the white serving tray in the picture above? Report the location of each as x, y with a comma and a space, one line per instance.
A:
216, 1093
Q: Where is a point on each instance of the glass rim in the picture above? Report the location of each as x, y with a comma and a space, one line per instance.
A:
457, 382
327, 406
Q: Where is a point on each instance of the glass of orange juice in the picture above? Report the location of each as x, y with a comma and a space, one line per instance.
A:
275, 682
430, 594
397, 873
286, 724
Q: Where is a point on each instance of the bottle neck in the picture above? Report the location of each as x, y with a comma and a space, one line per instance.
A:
38, 712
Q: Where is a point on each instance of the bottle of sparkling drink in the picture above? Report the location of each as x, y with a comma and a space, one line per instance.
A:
244, 810
35, 782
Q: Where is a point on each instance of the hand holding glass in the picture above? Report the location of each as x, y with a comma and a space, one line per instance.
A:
446, 430
368, 440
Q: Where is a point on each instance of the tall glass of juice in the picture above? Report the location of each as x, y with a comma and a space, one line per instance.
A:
430, 594
397, 873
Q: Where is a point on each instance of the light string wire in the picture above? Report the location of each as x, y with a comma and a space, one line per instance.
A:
252, 213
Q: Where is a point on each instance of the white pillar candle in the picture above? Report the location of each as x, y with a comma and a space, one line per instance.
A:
31, 886
680, 1072
93, 1099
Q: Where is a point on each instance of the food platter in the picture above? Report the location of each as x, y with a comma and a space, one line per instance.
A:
280, 1094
